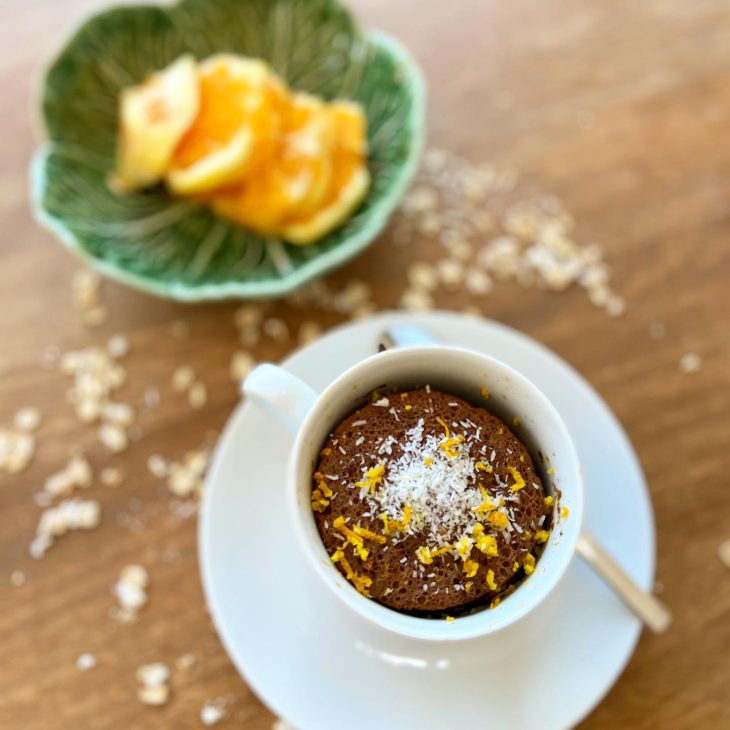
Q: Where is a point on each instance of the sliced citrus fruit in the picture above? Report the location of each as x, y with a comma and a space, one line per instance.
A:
236, 130
338, 207
296, 179
153, 117
350, 126
349, 182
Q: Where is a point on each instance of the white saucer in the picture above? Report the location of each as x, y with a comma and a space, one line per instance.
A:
323, 668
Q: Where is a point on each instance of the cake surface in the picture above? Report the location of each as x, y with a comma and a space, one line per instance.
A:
429, 504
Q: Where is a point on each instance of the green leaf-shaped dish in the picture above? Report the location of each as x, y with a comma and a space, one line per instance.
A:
177, 249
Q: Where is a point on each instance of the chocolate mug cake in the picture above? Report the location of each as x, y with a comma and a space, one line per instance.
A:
428, 504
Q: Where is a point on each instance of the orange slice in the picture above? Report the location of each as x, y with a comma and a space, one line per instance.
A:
349, 183
153, 117
295, 181
351, 127
236, 129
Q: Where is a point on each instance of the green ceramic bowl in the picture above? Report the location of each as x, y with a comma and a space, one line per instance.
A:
177, 249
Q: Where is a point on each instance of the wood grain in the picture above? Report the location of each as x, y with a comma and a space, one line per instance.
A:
621, 109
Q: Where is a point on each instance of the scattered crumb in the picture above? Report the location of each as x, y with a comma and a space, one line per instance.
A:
183, 510
111, 476
421, 199
17, 578
529, 237
85, 662
242, 363
363, 311
309, 331
183, 378
157, 466
184, 478
247, 319
198, 395
155, 696
478, 282
248, 315
71, 514
212, 713
17, 449
153, 675
421, 275
430, 224
154, 679
353, 300
185, 662
451, 272
86, 286
76, 474
96, 316
723, 552
690, 363
96, 376
462, 250
500, 256
117, 346
27, 419
120, 414
615, 306
276, 329
353, 296
151, 397
131, 592
113, 437
416, 300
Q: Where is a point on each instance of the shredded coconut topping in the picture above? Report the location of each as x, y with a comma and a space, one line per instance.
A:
435, 476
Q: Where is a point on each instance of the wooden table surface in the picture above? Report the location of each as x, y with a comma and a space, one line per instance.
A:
622, 110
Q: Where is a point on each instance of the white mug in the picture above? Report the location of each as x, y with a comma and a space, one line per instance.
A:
464, 373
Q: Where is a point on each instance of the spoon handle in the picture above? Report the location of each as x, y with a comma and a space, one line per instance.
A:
646, 606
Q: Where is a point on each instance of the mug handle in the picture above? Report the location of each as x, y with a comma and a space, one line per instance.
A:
280, 394
285, 397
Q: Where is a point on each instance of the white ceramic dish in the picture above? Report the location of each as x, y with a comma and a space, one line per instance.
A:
322, 667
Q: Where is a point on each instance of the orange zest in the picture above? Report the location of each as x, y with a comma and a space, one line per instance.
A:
519, 481
361, 582
372, 478
426, 555
352, 537
390, 527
